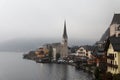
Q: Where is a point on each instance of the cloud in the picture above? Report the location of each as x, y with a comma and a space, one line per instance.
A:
44, 18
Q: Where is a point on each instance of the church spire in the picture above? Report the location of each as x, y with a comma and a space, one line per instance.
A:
65, 31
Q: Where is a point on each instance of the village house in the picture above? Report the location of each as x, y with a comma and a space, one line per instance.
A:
112, 49
99, 53
41, 52
85, 51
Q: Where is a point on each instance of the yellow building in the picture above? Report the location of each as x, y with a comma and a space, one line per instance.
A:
113, 54
41, 52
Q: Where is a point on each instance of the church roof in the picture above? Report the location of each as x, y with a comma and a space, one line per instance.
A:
56, 44
65, 31
116, 19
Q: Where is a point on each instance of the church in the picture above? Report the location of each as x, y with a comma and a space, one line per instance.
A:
61, 47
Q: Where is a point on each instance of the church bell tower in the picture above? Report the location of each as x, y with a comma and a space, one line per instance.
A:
64, 42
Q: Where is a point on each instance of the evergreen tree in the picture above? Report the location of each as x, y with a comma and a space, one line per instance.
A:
50, 54
57, 56
109, 76
97, 74
116, 76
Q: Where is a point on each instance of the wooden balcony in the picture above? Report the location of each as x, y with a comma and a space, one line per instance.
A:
112, 65
110, 57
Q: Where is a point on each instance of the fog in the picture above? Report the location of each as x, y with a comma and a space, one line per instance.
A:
85, 19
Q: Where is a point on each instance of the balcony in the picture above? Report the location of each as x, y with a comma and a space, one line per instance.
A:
110, 56
112, 65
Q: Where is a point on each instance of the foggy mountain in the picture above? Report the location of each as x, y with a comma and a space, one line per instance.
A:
25, 45
22, 45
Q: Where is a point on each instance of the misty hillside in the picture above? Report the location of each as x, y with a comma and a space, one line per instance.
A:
25, 45
22, 45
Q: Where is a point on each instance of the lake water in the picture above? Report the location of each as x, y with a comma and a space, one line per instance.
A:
14, 67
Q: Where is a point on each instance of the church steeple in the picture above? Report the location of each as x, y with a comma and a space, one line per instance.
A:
65, 31
64, 52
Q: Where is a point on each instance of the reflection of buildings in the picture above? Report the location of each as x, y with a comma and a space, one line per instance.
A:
60, 48
64, 72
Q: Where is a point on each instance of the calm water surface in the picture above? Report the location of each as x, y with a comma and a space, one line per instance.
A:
13, 67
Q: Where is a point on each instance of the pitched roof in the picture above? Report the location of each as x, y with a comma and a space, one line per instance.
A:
105, 35
56, 44
98, 51
116, 19
115, 41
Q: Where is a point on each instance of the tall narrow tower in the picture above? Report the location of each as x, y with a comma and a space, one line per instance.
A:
64, 42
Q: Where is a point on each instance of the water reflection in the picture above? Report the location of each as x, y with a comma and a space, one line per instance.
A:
13, 67
64, 72
61, 72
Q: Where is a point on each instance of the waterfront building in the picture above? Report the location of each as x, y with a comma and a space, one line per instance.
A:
112, 49
85, 50
112, 30
99, 57
56, 49
81, 52
41, 52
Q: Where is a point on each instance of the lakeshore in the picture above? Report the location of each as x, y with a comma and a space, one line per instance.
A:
89, 69
101, 59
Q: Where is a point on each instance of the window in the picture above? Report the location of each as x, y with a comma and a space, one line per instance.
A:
119, 27
111, 56
115, 55
111, 62
118, 35
115, 63
86, 54
81, 49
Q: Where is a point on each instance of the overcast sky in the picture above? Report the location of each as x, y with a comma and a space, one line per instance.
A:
85, 19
